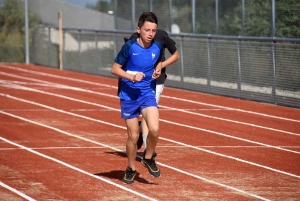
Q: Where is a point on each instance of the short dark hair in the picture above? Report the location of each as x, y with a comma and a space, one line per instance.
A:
147, 17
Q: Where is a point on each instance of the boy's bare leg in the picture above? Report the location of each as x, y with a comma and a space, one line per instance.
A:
151, 116
145, 130
133, 135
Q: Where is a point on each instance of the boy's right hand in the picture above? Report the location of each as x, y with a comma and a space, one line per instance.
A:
138, 77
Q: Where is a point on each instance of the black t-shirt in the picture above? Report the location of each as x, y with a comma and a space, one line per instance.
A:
162, 37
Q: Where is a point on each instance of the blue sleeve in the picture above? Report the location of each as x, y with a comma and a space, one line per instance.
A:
123, 55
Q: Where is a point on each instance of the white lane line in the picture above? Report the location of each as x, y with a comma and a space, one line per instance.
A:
43, 110
114, 109
113, 148
159, 146
104, 94
229, 108
51, 148
173, 141
17, 192
76, 169
232, 121
170, 97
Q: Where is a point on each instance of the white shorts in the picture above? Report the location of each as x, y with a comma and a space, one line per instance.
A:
159, 89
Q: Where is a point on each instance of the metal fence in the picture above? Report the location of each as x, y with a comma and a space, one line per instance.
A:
252, 68
263, 18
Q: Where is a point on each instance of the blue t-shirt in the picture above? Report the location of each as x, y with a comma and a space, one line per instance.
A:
135, 58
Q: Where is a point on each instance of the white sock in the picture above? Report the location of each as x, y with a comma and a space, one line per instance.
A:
145, 140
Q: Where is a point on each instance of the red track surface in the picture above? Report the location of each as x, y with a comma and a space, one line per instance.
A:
62, 138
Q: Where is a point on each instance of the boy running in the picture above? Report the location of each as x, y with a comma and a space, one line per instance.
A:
162, 37
135, 66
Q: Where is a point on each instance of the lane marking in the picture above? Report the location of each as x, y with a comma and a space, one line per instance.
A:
170, 97
16, 192
160, 146
76, 169
50, 148
232, 121
104, 94
114, 109
169, 140
113, 148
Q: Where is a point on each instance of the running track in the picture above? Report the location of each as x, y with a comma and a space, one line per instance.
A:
62, 138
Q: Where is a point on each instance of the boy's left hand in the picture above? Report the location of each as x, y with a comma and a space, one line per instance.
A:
157, 71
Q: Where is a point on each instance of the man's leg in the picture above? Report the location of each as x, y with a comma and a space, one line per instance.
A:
145, 132
158, 91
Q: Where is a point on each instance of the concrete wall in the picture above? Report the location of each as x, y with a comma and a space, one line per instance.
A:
74, 16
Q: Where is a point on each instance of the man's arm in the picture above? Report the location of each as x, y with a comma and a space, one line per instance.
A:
172, 59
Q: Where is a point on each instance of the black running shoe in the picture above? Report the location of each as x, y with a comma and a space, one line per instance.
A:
154, 155
150, 164
140, 140
129, 176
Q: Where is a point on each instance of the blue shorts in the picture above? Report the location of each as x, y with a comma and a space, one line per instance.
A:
132, 108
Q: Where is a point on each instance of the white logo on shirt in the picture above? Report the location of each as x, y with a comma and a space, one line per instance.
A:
135, 54
126, 114
153, 55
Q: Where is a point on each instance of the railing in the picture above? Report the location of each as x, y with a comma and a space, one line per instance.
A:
254, 68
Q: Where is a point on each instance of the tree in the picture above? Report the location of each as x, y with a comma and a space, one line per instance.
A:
288, 19
258, 16
12, 30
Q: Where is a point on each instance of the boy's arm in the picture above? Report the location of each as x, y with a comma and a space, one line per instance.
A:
117, 70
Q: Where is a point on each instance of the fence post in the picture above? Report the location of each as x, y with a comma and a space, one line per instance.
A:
133, 14
26, 32
181, 59
116, 14
170, 15
60, 40
273, 54
273, 66
208, 63
243, 17
79, 48
193, 16
63, 48
217, 16
49, 46
273, 19
97, 58
239, 68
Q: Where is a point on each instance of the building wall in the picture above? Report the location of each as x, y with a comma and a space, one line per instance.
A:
74, 16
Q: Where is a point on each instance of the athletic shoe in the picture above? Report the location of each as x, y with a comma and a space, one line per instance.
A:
150, 164
154, 155
140, 140
129, 176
